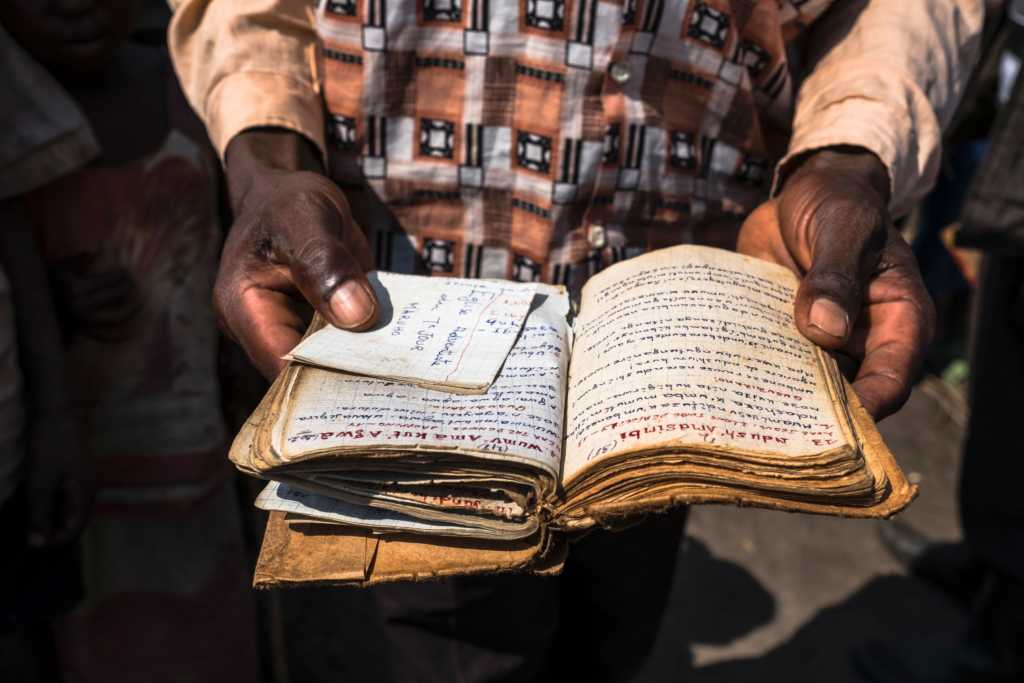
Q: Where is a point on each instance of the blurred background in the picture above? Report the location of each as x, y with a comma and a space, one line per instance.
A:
127, 555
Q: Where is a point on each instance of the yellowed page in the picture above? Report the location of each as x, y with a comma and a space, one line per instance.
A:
693, 345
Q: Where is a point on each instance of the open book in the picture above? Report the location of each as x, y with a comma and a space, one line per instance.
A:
680, 379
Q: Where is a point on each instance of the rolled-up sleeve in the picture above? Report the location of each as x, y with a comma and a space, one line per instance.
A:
887, 76
248, 63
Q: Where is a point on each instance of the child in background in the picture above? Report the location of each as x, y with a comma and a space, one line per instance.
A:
130, 242
45, 480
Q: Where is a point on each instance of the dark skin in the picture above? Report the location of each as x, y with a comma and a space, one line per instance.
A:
294, 241
861, 293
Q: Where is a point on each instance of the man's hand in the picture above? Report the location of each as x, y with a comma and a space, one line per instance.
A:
61, 482
293, 245
861, 292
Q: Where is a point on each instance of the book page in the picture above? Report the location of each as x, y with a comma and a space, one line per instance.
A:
439, 332
519, 418
693, 345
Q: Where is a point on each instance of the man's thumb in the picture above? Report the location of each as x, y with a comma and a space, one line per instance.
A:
329, 270
352, 304
830, 294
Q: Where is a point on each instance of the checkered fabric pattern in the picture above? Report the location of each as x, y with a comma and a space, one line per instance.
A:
545, 139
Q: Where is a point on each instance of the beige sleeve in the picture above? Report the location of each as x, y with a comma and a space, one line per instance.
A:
248, 63
887, 76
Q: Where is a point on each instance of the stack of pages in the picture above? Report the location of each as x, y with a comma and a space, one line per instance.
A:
483, 424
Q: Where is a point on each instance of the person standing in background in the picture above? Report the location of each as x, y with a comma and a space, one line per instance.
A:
46, 483
129, 243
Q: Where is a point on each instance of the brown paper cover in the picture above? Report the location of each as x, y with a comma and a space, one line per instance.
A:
323, 554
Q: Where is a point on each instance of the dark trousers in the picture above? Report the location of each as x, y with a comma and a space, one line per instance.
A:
992, 488
597, 621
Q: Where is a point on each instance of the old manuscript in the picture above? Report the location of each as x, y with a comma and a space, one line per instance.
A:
681, 379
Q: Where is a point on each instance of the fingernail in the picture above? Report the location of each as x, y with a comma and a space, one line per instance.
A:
351, 304
36, 539
830, 318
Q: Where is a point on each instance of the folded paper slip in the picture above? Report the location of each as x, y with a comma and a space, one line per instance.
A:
444, 333
682, 380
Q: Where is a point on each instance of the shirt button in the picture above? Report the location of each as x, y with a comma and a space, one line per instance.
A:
620, 72
596, 236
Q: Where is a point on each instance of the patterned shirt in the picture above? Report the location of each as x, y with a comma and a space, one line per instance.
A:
545, 139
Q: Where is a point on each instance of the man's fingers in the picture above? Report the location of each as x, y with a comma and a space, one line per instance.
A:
885, 378
894, 333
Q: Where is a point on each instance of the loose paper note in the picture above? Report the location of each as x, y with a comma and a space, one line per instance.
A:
280, 496
445, 333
